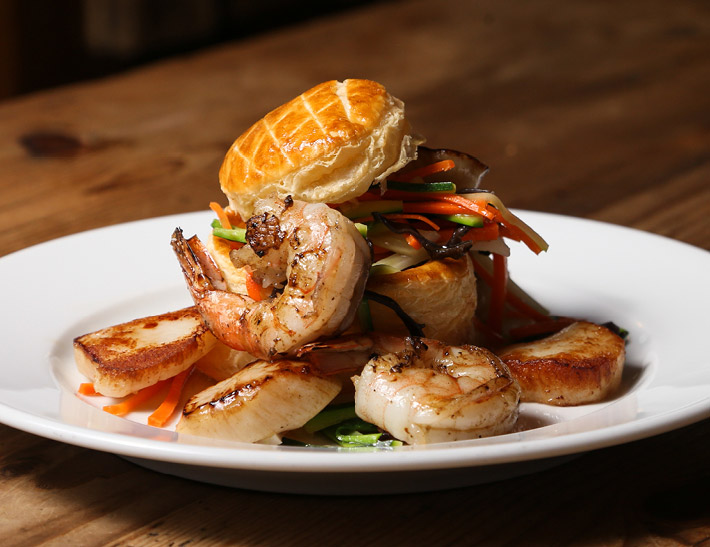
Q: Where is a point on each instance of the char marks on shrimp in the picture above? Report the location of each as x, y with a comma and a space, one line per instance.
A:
316, 251
263, 233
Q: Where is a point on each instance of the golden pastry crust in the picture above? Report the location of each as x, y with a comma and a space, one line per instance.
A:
326, 145
441, 294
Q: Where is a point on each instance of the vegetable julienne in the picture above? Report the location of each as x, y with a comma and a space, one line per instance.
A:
221, 215
401, 216
485, 204
498, 292
341, 425
410, 202
357, 433
433, 187
132, 402
166, 409
233, 235
86, 388
432, 168
483, 211
129, 404
439, 208
332, 415
404, 205
511, 298
310, 277
413, 241
503, 292
541, 328
497, 222
254, 290
487, 232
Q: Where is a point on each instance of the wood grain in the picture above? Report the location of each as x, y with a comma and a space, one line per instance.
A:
599, 110
609, 497
592, 111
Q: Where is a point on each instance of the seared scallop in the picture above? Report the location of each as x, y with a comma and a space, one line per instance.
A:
259, 401
125, 358
580, 364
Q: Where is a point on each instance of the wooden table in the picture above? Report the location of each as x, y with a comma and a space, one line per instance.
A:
598, 110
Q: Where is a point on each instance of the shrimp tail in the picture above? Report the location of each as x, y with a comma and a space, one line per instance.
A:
220, 310
201, 274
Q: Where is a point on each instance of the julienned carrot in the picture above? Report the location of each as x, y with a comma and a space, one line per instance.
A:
367, 196
453, 204
485, 233
166, 409
413, 241
86, 388
545, 328
465, 205
516, 234
495, 338
483, 273
221, 215
438, 167
403, 195
488, 232
422, 218
498, 290
478, 207
444, 204
254, 289
518, 228
434, 208
379, 253
134, 401
512, 299
403, 216
526, 309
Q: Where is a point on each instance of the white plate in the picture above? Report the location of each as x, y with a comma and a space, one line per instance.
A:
653, 286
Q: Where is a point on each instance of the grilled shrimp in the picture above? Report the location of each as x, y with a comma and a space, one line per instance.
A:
312, 251
427, 392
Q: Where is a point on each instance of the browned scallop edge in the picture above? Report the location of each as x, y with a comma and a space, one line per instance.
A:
559, 379
133, 365
247, 391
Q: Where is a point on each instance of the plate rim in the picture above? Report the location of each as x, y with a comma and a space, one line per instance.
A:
312, 460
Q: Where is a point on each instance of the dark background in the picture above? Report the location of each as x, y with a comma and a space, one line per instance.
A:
46, 43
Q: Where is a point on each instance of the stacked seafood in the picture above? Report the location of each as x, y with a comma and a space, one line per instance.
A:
354, 279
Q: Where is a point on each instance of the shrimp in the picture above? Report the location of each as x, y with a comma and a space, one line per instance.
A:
427, 392
312, 251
